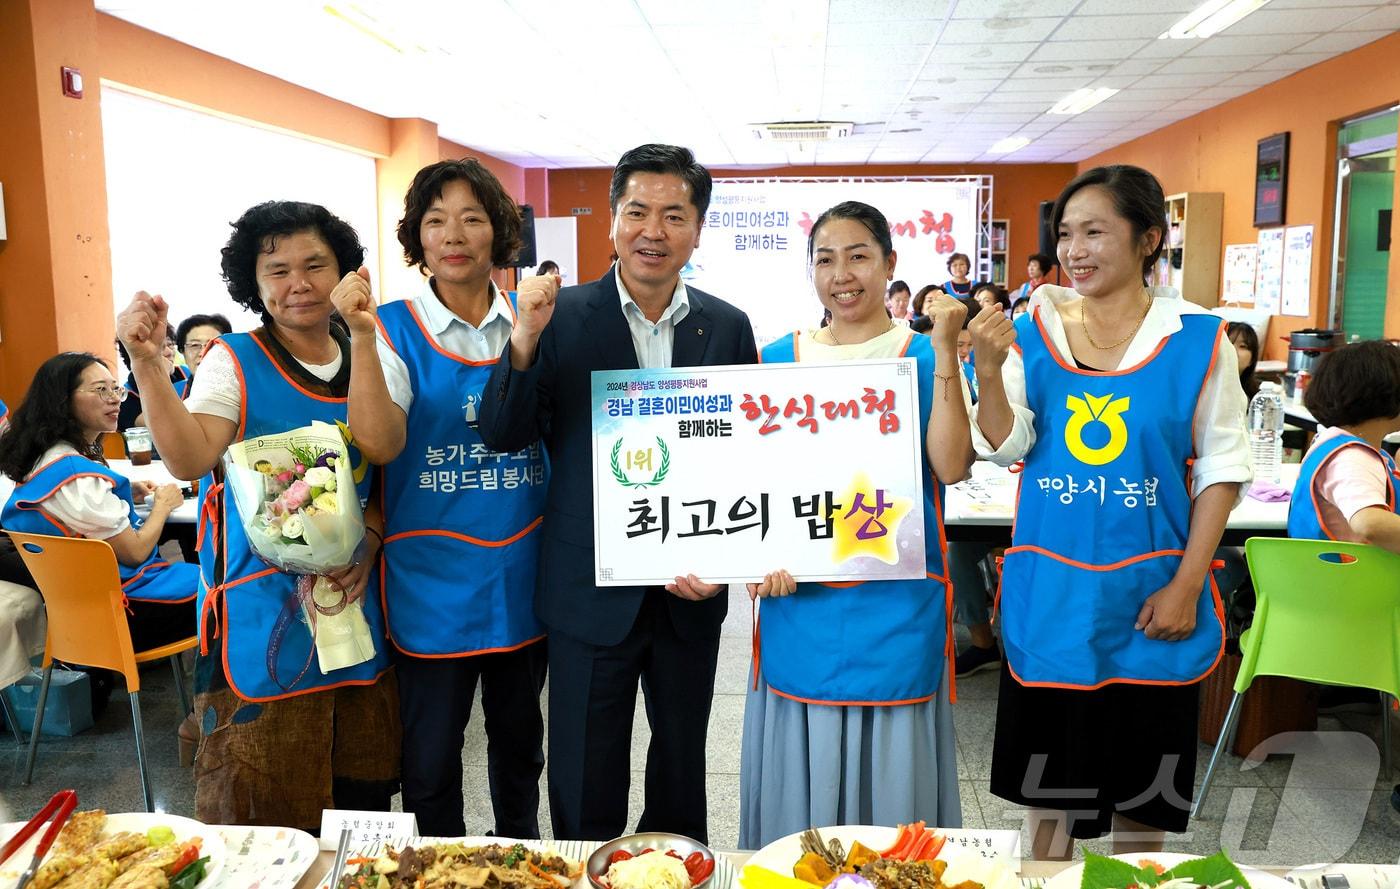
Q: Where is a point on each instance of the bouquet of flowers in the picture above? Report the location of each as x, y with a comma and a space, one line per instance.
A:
297, 503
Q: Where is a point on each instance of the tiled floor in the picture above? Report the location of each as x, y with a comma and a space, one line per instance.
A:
1282, 811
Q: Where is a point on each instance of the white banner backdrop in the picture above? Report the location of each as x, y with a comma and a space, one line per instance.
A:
753, 247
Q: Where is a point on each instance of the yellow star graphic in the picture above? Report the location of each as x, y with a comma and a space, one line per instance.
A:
867, 523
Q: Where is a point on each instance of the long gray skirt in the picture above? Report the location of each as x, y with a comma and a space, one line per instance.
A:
807, 765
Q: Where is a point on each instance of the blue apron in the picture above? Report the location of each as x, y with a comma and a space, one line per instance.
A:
154, 580
180, 382
461, 537
864, 643
250, 596
1304, 518
1102, 516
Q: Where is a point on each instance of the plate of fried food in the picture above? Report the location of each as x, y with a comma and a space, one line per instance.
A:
446, 863
136, 850
911, 856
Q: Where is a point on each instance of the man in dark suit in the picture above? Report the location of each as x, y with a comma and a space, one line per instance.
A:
604, 640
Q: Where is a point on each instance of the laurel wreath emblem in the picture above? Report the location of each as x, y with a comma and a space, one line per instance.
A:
656, 478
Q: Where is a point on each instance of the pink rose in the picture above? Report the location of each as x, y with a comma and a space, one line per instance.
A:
300, 468
286, 477
296, 496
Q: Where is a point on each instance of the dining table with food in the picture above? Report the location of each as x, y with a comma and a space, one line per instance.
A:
67, 846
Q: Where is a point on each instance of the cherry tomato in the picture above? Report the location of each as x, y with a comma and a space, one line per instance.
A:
674, 854
702, 873
692, 861
645, 851
619, 855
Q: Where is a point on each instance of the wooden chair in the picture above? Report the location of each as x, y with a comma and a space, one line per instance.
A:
87, 625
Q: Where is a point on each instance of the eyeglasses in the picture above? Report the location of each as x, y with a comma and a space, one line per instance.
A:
109, 393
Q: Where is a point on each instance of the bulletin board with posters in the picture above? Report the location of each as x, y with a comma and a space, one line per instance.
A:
753, 246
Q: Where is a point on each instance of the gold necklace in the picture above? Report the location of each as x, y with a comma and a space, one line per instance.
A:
831, 332
1084, 322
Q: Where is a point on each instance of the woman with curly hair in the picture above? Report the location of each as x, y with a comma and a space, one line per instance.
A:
418, 374
281, 740
64, 486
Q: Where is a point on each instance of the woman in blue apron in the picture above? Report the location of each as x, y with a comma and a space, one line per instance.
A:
1125, 404
959, 286
64, 487
179, 377
281, 740
836, 733
1347, 484
461, 536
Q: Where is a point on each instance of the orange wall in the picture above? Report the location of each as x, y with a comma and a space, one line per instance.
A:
1215, 150
55, 265
168, 69
1018, 190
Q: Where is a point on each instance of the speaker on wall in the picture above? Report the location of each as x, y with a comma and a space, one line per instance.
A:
526, 256
1047, 237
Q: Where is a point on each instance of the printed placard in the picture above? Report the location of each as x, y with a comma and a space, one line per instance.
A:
367, 829
731, 472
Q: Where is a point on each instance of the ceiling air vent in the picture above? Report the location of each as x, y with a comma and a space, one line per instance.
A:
803, 131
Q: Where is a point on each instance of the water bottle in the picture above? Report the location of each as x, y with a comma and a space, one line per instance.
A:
1266, 431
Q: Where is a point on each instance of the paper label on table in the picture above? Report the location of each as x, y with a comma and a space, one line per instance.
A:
1004, 844
366, 828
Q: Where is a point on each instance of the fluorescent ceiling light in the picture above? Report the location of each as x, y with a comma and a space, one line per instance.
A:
1080, 101
1211, 17
1009, 144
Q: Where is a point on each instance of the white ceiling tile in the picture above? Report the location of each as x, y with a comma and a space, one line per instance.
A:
1163, 49
1135, 7
993, 53
1293, 61
1342, 41
877, 33
1313, 4
1086, 50
954, 89
1190, 64
1224, 93
1163, 93
1046, 82
1114, 27
658, 12
1317, 18
1134, 68
969, 32
1227, 45
842, 11
981, 9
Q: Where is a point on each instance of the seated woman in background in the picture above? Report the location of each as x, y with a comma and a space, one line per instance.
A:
131, 413
919, 321
1347, 484
1246, 343
1038, 266
196, 332
64, 486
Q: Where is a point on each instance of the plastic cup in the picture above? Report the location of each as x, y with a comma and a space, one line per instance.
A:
138, 445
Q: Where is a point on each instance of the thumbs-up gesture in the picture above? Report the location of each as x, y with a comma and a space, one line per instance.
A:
141, 326
534, 304
353, 300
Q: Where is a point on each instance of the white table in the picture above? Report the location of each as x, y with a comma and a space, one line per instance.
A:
186, 513
982, 507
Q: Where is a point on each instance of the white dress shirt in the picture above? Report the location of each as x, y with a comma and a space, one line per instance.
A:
88, 505
481, 342
653, 342
1221, 437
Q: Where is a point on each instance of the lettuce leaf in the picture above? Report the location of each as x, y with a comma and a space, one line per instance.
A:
1110, 873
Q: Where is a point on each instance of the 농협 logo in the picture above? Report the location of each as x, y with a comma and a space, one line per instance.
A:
1103, 409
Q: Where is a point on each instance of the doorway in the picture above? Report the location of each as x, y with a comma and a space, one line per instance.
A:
1361, 249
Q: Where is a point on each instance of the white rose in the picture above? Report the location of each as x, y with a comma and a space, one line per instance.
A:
320, 477
293, 527
327, 502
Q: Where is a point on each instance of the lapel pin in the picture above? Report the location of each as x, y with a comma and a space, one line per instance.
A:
699, 331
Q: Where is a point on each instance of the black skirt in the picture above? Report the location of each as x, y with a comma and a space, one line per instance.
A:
1125, 749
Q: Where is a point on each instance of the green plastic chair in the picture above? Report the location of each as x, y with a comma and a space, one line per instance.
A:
1325, 612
